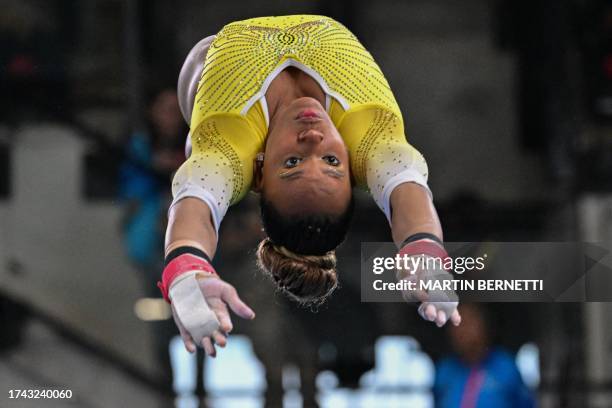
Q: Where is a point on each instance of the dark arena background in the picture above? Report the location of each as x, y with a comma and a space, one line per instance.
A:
509, 101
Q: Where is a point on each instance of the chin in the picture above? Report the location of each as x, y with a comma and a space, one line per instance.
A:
307, 101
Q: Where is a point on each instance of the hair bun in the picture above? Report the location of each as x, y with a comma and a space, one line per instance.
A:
307, 279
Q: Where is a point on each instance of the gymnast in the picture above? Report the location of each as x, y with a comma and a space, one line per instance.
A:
297, 110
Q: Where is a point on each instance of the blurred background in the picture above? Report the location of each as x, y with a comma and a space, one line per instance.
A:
509, 101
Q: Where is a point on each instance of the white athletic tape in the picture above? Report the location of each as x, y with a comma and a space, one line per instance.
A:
447, 307
191, 307
446, 301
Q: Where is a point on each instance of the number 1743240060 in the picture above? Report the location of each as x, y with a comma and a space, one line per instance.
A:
39, 394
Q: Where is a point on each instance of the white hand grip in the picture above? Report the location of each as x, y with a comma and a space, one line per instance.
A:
191, 307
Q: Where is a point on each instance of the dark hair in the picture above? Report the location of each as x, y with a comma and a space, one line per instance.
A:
299, 251
314, 234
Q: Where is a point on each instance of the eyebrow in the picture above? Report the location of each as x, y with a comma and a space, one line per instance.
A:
290, 175
334, 172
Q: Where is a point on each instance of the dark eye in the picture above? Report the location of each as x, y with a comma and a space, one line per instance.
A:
331, 160
292, 162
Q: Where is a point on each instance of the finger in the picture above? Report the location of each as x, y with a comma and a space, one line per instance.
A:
189, 343
456, 318
225, 322
422, 310
209, 347
219, 338
430, 312
192, 309
441, 318
187, 340
230, 296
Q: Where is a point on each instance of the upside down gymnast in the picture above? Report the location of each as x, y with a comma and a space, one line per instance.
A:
297, 110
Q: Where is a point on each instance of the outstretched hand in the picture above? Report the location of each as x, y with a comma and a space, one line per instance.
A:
438, 306
438, 312
217, 294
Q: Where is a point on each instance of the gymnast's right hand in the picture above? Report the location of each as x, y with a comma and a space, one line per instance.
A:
199, 300
206, 321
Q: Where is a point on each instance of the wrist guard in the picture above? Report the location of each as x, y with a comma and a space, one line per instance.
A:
181, 261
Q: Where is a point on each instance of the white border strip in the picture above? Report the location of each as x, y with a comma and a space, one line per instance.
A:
260, 95
407, 176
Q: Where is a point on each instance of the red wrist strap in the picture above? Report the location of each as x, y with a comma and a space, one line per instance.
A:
425, 247
180, 265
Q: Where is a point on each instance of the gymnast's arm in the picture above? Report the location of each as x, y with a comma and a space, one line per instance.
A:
396, 175
190, 224
200, 299
413, 212
199, 303
190, 221
392, 170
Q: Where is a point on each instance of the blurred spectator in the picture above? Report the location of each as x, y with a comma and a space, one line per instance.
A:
479, 375
150, 158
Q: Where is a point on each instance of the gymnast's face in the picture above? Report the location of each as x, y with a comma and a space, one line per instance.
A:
306, 163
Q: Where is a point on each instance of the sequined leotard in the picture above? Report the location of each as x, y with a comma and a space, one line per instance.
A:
229, 122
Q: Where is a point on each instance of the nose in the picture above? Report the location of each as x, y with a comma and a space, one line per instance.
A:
311, 136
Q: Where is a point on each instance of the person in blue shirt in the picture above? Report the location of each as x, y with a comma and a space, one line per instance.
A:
478, 375
151, 156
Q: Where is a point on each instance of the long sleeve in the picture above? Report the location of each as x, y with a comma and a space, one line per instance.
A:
381, 157
220, 168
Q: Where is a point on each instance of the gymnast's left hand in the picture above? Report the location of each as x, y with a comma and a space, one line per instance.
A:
438, 306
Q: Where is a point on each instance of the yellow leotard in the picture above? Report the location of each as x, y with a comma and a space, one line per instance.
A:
229, 122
